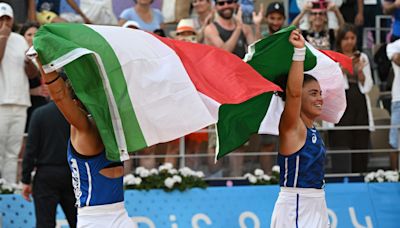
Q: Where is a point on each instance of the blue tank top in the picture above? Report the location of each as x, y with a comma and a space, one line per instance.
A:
305, 168
92, 188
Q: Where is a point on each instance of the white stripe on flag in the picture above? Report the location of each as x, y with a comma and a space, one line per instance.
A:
270, 123
65, 59
155, 87
115, 116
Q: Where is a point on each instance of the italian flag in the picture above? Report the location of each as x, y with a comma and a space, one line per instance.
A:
142, 89
272, 57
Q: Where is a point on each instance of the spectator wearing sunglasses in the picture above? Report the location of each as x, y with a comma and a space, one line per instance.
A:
319, 34
333, 22
228, 31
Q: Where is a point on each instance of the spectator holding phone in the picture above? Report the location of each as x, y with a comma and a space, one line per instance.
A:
357, 83
319, 34
333, 20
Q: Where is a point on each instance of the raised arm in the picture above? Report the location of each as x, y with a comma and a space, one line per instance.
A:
333, 7
75, 6
258, 19
32, 10
389, 7
84, 133
5, 32
291, 124
306, 8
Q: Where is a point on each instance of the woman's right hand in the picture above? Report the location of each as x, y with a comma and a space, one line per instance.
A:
296, 39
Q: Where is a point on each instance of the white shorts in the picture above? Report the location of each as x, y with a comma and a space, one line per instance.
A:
300, 208
107, 216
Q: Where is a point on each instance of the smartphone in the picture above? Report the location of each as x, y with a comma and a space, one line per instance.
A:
357, 54
247, 7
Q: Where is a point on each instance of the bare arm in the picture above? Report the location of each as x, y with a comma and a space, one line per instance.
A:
212, 38
30, 69
248, 33
297, 19
3, 43
389, 7
337, 12
359, 20
84, 133
4, 34
396, 59
121, 22
257, 19
74, 6
31, 10
291, 127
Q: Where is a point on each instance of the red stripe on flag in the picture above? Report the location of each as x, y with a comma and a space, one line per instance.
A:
219, 74
345, 61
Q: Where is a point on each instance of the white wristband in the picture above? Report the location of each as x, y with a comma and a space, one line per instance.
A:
299, 54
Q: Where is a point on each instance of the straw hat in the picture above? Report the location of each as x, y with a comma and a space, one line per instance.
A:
184, 25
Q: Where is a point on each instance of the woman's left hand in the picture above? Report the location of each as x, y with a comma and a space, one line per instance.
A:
296, 39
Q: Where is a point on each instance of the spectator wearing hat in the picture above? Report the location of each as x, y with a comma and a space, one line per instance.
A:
275, 19
228, 32
319, 34
185, 31
195, 142
23, 10
15, 69
37, 90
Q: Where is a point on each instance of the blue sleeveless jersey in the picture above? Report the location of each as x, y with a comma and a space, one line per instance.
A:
92, 188
305, 168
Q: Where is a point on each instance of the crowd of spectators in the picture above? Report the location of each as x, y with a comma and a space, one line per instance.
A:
327, 24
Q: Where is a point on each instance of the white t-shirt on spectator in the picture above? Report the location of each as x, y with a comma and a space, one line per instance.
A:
14, 84
392, 49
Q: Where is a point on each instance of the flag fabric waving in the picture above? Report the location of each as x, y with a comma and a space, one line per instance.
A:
272, 57
345, 61
142, 89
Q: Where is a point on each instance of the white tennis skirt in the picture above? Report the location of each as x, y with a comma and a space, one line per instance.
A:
107, 216
300, 208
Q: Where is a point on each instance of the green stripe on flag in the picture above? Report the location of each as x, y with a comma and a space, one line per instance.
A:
79, 70
237, 122
272, 56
